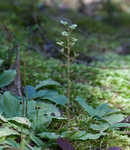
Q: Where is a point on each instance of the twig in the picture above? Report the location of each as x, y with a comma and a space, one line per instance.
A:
17, 81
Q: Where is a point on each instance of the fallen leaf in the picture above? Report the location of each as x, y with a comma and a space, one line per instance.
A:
64, 144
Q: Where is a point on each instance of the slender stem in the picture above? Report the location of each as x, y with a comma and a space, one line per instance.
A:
23, 107
26, 109
22, 143
68, 73
68, 68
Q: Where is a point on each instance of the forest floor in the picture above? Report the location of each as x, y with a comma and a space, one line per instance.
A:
100, 74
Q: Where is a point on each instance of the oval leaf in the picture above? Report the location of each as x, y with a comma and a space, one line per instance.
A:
3, 119
99, 127
30, 92
9, 105
58, 99
115, 118
120, 125
49, 135
21, 120
47, 83
53, 96
86, 107
7, 132
92, 136
7, 77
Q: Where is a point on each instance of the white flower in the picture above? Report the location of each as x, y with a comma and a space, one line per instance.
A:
73, 26
62, 50
74, 39
64, 33
61, 43
64, 22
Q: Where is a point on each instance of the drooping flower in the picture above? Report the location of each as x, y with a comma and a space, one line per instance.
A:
73, 26
64, 33
63, 22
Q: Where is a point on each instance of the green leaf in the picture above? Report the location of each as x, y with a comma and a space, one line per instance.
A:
115, 118
21, 120
77, 135
43, 116
47, 83
7, 77
5, 131
92, 136
1, 61
103, 109
9, 105
54, 97
39, 122
87, 108
3, 119
83, 135
99, 127
119, 125
36, 140
12, 143
50, 95
49, 135
19, 128
3, 147
30, 92
31, 107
